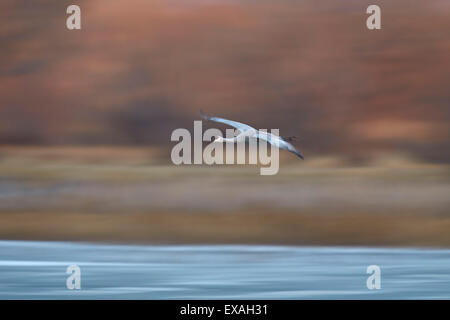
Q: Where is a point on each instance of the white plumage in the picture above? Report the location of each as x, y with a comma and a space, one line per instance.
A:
248, 132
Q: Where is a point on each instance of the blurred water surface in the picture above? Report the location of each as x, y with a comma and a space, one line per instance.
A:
37, 270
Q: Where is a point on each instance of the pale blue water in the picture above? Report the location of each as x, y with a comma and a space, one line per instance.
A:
33, 270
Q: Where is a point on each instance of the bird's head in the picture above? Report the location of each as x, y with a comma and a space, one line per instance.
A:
217, 139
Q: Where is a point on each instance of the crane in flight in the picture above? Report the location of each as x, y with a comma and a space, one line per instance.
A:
247, 132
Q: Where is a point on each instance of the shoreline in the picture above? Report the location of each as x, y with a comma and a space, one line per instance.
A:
252, 228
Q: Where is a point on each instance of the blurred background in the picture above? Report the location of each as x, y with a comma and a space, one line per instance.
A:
86, 117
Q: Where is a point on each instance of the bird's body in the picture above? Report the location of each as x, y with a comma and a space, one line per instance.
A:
248, 132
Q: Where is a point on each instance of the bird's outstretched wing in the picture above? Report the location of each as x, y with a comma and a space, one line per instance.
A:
242, 127
292, 149
279, 142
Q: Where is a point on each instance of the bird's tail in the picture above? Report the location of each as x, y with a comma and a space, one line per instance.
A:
290, 138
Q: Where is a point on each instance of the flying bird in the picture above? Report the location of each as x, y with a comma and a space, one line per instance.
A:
247, 132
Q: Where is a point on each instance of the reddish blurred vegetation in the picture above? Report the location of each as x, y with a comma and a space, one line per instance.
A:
140, 68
